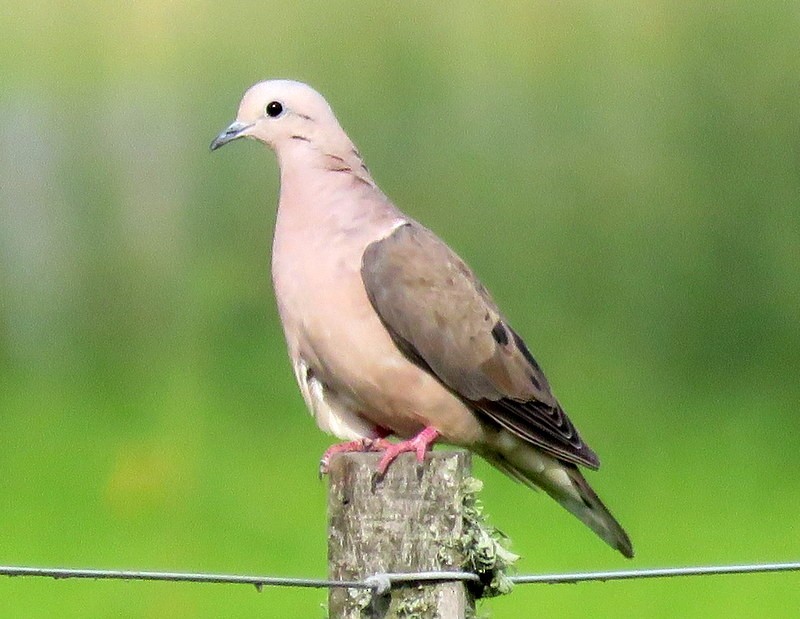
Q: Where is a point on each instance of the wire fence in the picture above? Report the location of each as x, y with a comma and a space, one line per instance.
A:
381, 583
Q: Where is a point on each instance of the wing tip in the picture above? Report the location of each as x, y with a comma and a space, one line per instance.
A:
590, 459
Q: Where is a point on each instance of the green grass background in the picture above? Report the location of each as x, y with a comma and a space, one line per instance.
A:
624, 176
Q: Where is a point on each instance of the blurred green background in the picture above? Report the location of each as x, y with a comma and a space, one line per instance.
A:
624, 176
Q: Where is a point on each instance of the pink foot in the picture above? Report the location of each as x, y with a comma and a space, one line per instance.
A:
420, 444
360, 445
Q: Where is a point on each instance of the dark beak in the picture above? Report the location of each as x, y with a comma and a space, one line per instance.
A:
234, 130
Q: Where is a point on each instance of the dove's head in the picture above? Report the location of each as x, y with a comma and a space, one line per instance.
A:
277, 112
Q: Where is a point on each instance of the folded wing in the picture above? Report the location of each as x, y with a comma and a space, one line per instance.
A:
442, 318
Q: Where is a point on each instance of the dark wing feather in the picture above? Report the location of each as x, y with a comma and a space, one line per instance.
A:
444, 320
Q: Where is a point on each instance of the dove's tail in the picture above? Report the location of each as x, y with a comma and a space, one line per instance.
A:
565, 483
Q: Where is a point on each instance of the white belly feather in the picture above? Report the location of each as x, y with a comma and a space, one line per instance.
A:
332, 414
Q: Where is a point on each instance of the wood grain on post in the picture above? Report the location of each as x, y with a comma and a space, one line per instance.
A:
411, 520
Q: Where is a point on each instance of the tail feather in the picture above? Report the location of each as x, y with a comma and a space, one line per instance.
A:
566, 484
595, 514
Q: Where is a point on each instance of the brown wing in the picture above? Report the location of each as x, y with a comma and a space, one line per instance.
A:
442, 318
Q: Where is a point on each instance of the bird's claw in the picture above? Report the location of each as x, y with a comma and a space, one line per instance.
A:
360, 445
420, 445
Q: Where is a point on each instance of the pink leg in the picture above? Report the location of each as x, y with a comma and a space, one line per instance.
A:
420, 444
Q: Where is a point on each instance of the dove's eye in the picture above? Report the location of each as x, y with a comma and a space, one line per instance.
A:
274, 109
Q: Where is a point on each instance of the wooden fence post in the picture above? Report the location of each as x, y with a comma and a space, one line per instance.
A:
411, 520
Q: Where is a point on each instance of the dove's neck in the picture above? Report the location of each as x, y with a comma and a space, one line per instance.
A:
325, 187
331, 151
